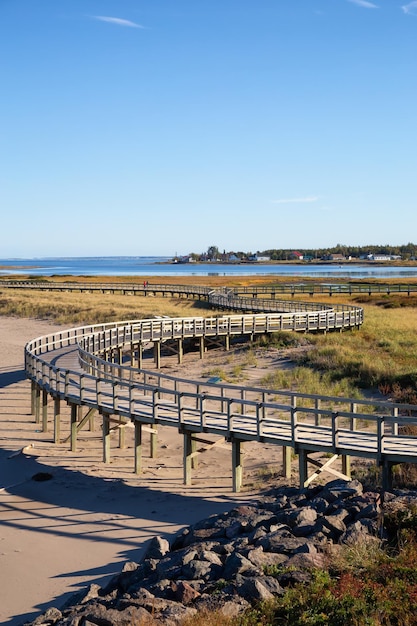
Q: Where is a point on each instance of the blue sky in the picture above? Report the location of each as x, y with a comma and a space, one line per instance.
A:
160, 126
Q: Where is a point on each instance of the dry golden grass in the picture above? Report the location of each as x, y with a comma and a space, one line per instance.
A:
89, 308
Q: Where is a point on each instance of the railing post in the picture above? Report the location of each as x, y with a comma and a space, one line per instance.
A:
335, 429
294, 420
317, 406
395, 423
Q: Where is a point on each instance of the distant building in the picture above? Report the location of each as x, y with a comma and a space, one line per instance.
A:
296, 255
186, 259
383, 257
335, 257
259, 259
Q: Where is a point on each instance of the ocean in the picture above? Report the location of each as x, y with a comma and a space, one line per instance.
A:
161, 266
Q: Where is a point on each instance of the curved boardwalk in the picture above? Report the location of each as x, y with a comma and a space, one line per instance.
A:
100, 368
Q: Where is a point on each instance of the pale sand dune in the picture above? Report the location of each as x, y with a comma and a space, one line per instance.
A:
82, 525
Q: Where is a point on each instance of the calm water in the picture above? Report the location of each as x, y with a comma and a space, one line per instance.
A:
160, 266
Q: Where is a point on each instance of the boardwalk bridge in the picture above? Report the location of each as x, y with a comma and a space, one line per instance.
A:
100, 369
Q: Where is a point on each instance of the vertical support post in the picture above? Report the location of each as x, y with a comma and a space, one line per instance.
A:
33, 398
302, 468
138, 447
122, 433
73, 427
202, 347
180, 351
286, 461
106, 438
154, 441
38, 405
140, 356
132, 355
237, 469
57, 420
194, 458
187, 458
44, 411
227, 343
386, 475
91, 421
346, 465
157, 354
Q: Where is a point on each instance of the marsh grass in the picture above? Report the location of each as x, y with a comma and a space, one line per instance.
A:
93, 308
381, 355
309, 381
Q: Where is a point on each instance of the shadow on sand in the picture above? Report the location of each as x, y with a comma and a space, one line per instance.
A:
94, 509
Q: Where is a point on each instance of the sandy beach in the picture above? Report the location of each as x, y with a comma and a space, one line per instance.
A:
83, 523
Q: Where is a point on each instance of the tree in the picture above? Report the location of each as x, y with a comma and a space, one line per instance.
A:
212, 252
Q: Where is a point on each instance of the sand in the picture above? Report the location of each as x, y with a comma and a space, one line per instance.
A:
88, 519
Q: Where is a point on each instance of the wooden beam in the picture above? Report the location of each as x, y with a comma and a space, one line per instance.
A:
157, 354
44, 411
122, 433
387, 475
302, 468
106, 438
73, 430
286, 461
81, 421
237, 467
33, 398
194, 453
38, 405
321, 467
187, 464
346, 469
154, 442
57, 419
138, 447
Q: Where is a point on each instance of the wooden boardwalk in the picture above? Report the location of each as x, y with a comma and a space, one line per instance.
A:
100, 367
310, 288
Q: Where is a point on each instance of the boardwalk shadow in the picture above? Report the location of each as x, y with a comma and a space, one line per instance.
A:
74, 506
11, 376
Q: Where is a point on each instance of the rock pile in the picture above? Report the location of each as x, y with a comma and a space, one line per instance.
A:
230, 561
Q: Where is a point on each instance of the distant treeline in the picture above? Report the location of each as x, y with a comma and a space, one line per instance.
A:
405, 251
408, 251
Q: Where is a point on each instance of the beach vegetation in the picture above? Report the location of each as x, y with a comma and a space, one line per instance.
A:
364, 584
